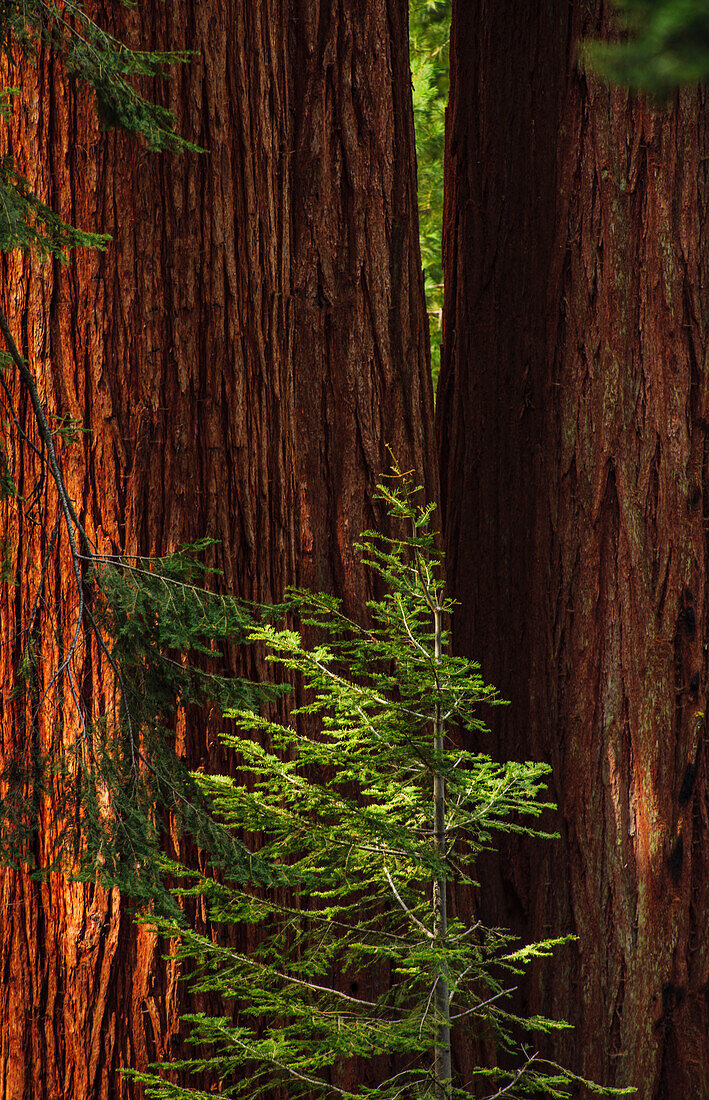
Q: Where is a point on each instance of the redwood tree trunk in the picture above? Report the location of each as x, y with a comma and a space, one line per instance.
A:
253, 338
572, 421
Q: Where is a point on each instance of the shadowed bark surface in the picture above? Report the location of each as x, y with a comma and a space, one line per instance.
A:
240, 357
572, 422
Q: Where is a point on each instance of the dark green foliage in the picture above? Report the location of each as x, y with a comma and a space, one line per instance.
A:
159, 635
155, 607
28, 223
343, 964
110, 68
99, 60
663, 44
429, 30
114, 783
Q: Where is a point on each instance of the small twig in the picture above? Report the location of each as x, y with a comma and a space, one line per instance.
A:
427, 1006
482, 1004
404, 906
511, 1084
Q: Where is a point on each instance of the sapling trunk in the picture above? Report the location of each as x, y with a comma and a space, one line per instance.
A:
442, 1057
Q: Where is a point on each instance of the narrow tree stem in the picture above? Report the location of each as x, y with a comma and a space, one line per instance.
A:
442, 1057
72, 520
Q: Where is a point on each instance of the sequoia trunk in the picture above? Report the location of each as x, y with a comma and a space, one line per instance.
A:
572, 422
239, 358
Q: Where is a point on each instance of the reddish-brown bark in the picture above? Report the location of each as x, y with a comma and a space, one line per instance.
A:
251, 341
572, 421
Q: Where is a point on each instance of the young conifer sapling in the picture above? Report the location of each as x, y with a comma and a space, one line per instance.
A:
368, 810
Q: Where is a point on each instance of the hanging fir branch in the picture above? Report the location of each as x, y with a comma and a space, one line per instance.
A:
110, 69
663, 44
98, 59
115, 788
112, 787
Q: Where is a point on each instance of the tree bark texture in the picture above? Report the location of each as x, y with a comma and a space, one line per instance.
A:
240, 357
572, 423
